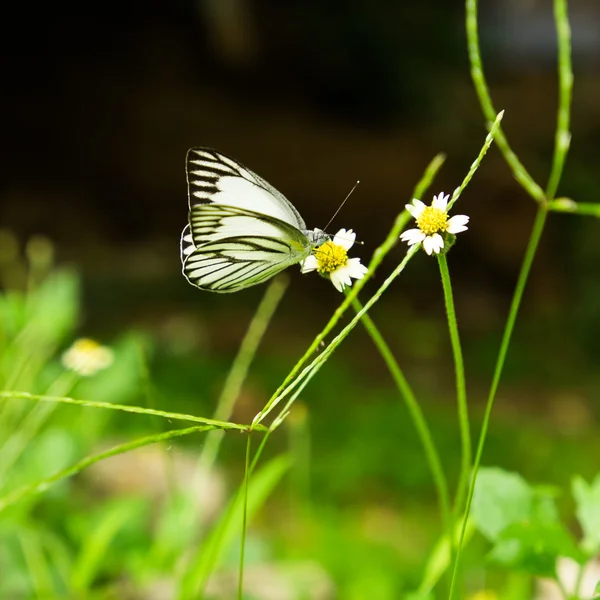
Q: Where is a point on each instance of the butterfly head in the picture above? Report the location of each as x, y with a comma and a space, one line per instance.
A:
330, 258
317, 237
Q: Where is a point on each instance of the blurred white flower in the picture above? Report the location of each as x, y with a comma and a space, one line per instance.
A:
571, 579
432, 223
331, 259
86, 357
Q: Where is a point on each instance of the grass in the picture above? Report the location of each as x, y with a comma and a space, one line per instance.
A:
357, 495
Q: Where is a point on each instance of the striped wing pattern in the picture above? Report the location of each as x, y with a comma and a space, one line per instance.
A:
213, 177
236, 263
241, 230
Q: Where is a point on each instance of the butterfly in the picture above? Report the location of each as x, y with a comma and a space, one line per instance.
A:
241, 231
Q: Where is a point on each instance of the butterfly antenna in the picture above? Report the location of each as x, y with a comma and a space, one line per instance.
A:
341, 206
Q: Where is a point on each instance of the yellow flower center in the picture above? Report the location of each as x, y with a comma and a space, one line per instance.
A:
86, 346
330, 256
432, 220
87, 357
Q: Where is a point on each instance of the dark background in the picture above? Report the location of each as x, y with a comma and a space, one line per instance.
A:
99, 108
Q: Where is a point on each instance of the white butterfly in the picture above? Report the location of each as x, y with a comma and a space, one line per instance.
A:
241, 230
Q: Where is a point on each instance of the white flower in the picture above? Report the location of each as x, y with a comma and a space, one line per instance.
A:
86, 357
432, 223
331, 259
571, 580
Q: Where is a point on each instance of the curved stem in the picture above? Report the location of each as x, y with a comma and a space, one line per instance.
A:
517, 167
431, 452
378, 256
241, 364
300, 379
8, 395
461, 390
562, 138
244, 520
536, 234
41, 486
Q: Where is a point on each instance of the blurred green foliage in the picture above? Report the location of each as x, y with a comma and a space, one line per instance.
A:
75, 538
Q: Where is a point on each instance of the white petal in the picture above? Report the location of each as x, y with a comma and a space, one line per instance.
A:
342, 276
416, 208
428, 245
455, 230
412, 236
356, 269
310, 263
340, 280
457, 224
440, 201
460, 219
344, 238
340, 234
433, 243
438, 242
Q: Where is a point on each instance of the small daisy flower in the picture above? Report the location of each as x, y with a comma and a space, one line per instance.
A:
433, 223
86, 357
331, 259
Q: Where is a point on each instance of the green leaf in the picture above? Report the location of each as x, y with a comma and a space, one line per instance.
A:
38, 565
34, 326
500, 499
543, 506
587, 499
439, 558
262, 483
97, 544
173, 532
53, 308
597, 589
12, 314
50, 451
533, 547
523, 522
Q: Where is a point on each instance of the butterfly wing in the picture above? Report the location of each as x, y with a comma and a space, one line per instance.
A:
214, 178
241, 230
227, 249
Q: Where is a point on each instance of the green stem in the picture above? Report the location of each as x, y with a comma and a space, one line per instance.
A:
298, 434
30, 424
566, 205
419, 421
491, 136
244, 520
519, 171
239, 370
461, 389
37, 564
258, 453
150, 395
565, 90
298, 379
312, 369
44, 484
536, 234
379, 254
131, 409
